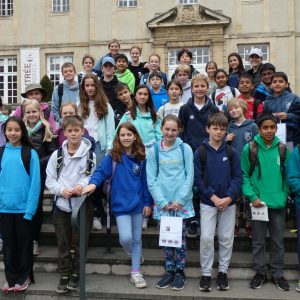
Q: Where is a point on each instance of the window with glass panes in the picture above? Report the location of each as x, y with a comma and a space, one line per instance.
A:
244, 50
6, 7
188, 1
54, 63
127, 3
201, 56
8, 79
60, 5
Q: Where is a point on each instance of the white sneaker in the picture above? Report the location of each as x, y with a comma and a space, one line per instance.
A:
145, 223
138, 280
36, 248
97, 224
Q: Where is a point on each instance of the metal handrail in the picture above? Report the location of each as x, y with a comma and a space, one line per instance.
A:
79, 223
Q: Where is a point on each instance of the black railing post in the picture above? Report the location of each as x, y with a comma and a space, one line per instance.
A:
79, 208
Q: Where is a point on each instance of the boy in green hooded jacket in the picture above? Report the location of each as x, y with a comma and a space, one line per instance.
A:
267, 186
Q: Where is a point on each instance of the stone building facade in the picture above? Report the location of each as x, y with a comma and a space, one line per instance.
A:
37, 36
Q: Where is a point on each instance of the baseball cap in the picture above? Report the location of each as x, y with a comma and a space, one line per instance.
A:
256, 51
109, 59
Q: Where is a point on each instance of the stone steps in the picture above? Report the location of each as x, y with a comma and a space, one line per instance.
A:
117, 263
118, 287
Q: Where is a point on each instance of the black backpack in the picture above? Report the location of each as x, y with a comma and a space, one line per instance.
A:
25, 156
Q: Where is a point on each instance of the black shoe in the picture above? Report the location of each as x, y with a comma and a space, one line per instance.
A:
192, 232
179, 281
73, 283
281, 283
165, 280
222, 282
205, 284
62, 286
257, 281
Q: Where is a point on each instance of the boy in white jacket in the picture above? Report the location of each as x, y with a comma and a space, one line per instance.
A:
67, 183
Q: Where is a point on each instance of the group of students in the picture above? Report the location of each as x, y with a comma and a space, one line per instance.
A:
104, 132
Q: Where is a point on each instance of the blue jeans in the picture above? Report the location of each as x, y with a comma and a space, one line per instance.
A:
130, 236
298, 235
99, 153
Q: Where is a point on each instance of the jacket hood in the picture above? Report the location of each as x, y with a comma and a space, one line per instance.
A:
245, 123
146, 115
74, 87
258, 139
177, 143
82, 151
207, 104
162, 91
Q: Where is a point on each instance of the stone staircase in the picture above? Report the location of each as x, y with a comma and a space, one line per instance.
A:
108, 274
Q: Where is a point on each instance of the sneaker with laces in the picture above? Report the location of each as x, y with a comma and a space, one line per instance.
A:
281, 283
97, 224
138, 280
257, 281
179, 281
36, 248
62, 285
249, 231
222, 282
236, 231
165, 280
192, 232
6, 288
73, 283
205, 284
23, 286
298, 286
145, 223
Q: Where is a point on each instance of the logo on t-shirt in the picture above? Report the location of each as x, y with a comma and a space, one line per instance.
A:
136, 169
248, 136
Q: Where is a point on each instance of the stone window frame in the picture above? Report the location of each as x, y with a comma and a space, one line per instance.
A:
245, 48
54, 63
60, 6
127, 3
6, 8
9, 79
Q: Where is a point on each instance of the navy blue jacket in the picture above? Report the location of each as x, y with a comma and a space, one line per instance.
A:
289, 103
194, 122
223, 180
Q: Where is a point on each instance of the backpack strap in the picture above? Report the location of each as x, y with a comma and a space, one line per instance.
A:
213, 96
1, 154
253, 158
89, 162
59, 161
282, 155
233, 92
60, 91
26, 157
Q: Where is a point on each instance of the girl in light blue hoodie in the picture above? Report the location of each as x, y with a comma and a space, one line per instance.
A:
170, 180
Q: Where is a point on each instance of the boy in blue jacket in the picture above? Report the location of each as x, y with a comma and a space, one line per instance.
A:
159, 94
218, 177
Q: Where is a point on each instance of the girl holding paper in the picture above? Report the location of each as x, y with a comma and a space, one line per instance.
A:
170, 176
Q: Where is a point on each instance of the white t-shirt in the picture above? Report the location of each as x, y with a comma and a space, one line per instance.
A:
91, 123
222, 97
169, 109
199, 106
